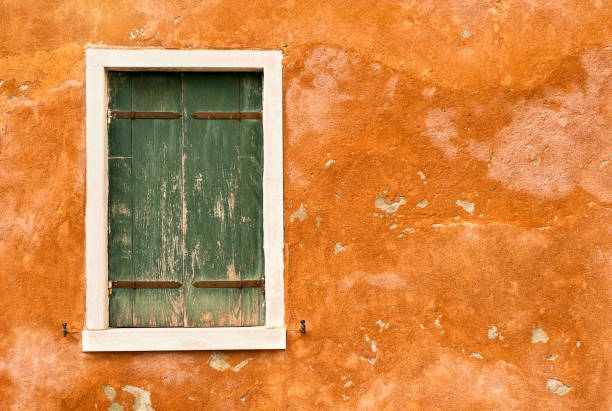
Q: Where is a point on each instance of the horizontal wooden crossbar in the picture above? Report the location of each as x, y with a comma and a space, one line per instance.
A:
145, 284
142, 115
226, 115
229, 284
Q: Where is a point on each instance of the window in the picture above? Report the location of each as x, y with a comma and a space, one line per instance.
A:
184, 200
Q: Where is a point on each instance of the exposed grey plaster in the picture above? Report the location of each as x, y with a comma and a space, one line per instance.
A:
300, 214
142, 398
218, 361
557, 387
538, 335
390, 208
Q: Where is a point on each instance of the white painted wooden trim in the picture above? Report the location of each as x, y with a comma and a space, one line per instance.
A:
97, 336
171, 339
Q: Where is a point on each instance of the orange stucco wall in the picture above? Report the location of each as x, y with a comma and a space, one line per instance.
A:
448, 190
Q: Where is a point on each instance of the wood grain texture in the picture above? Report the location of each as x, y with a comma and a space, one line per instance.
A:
218, 195
251, 258
156, 178
211, 177
120, 130
195, 194
120, 201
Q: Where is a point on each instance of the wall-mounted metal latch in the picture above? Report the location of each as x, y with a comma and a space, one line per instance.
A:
303, 326
65, 329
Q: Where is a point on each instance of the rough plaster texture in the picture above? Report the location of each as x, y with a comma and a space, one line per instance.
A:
497, 112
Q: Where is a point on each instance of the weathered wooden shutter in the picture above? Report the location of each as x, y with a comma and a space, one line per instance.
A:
185, 199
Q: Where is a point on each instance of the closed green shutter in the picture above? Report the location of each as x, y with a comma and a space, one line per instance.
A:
185, 199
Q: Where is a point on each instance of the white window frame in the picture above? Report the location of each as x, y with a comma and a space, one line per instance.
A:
97, 336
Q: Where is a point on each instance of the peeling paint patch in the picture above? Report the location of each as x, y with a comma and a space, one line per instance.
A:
115, 406
557, 387
466, 205
372, 361
372, 343
382, 325
538, 335
493, 333
111, 394
338, 248
218, 361
390, 208
299, 214
437, 321
137, 33
605, 161
241, 364
552, 357
329, 163
142, 398
476, 355
422, 203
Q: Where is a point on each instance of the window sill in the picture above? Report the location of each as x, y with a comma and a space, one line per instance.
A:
184, 339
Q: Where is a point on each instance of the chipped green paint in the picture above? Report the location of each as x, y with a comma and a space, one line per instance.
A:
120, 200
185, 199
156, 185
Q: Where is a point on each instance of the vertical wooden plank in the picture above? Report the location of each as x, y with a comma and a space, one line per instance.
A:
251, 91
251, 256
211, 181
157, 202
120, 239
120, 201
120, 129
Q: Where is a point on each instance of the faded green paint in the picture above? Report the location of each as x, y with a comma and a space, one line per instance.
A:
156, 180
120, 130
120, 201
196, 199
251, 260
